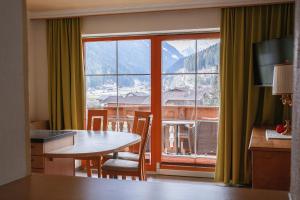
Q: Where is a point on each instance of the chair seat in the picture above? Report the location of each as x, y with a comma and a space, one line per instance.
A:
120, 165
124, 156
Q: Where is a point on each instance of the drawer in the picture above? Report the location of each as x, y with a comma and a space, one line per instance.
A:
37, 149
37, 162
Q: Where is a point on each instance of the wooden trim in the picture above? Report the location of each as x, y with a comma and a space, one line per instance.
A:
187, 168
97, 39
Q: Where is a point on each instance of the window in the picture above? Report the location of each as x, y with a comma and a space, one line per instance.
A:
118, 79
174, 76
190, 100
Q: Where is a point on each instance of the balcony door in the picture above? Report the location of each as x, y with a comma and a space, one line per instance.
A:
176, 77
190, 101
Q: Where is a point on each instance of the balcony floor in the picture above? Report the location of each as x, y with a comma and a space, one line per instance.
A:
189, 161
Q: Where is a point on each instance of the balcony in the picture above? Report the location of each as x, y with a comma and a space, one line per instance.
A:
189, 134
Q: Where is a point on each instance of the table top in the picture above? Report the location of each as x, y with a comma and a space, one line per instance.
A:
41, 136
259, 142
36, 187
95, 143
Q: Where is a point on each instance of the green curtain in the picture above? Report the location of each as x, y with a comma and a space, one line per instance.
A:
66, 77
244, 105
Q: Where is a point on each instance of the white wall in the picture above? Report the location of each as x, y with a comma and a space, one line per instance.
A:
38, 70
106, 24
153, 21
14, 152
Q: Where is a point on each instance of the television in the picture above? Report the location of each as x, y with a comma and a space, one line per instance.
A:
268, 53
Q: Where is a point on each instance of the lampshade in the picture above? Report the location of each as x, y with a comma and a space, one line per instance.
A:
283, 79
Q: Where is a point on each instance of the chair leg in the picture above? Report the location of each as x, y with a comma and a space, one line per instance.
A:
88, 168
99, 161
123, 177
190, 147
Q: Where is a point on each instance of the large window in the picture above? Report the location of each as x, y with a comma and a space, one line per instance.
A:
118, 79
176, 77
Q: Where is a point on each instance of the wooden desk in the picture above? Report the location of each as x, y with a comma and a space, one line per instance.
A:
270, 161
39, 187
43, 141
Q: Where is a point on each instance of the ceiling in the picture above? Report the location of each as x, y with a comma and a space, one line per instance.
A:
86, 7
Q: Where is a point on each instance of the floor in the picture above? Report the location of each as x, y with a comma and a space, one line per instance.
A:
163, 178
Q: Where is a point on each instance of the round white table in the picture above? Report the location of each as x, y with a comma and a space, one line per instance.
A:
95, 143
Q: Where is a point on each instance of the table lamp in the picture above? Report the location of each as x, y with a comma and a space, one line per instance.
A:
283, 85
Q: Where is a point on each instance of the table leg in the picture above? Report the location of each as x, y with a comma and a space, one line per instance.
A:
115, 156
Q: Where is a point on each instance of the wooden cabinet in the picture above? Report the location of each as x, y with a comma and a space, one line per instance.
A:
57, 166
271, 161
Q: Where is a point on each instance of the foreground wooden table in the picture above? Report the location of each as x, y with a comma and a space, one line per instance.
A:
37, 187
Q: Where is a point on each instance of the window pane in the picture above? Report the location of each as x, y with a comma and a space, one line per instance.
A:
178, 114
208, 90
101, 91
100, 57
178, 90
208, 52
134, 56
178, 56
134, 95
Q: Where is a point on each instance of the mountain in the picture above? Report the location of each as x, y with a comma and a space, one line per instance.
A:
134, 58
206, 59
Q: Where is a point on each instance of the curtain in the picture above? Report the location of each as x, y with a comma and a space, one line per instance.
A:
244, 105
66, 77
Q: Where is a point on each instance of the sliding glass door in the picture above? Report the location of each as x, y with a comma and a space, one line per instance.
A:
190, 101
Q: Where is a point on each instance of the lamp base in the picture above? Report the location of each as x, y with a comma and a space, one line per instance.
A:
287, 127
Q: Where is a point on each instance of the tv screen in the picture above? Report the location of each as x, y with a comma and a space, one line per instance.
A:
268, 53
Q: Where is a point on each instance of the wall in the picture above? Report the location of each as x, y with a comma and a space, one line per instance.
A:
106, 24
153, 21
14, 138
295, 177
38, 70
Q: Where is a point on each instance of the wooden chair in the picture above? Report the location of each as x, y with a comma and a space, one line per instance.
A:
129, 167
205, 133
133, 152
97, 121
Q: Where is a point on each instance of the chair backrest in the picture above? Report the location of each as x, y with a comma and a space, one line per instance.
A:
145, 137
97, 120
207, 132
40, 125
140, 125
